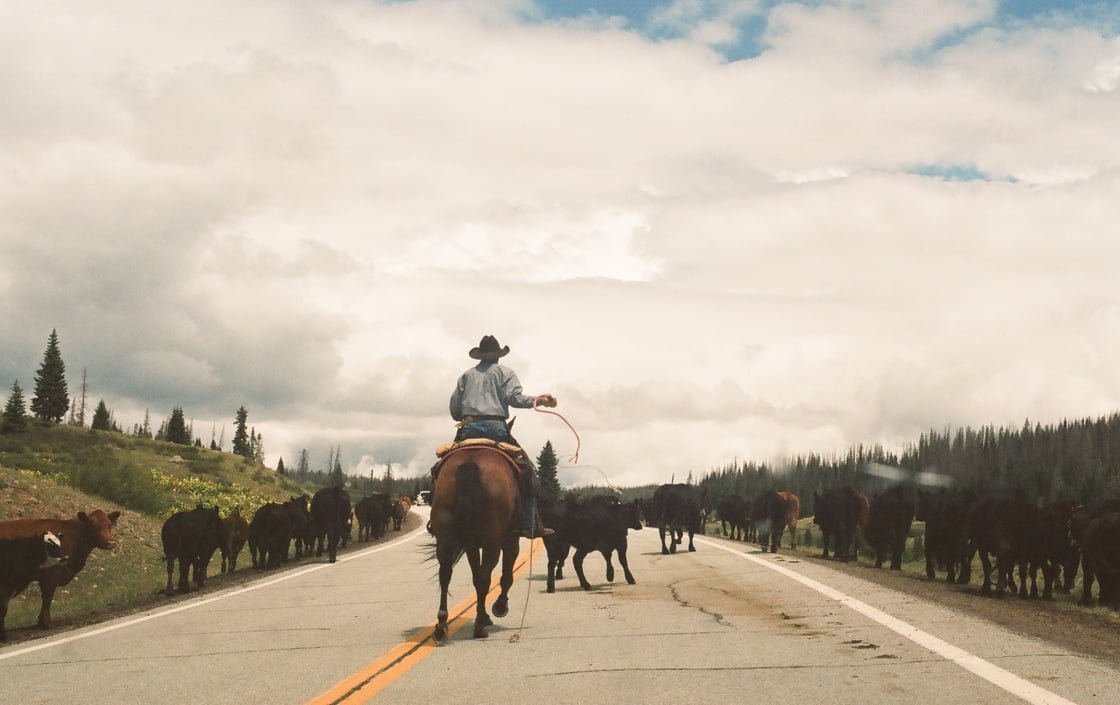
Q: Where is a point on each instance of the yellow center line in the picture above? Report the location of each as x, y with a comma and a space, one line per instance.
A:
362, 686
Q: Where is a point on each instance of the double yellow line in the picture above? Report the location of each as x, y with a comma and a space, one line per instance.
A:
364, 685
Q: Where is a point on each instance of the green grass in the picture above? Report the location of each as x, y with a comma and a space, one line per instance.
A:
60, 470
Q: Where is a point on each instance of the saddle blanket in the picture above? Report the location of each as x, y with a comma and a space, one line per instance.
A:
508, 448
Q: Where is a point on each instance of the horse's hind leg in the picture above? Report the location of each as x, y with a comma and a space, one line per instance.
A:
481, 568
446, 564
509, 557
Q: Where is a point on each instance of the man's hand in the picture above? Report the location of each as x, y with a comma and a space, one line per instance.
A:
546, 400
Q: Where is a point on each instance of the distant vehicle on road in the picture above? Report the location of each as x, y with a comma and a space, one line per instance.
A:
424, 497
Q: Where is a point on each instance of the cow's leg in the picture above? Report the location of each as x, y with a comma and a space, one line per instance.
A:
5, 598
577, 563
47, 592
690, 546
986, 563
664, 548
625, 565
610, 566
1088, 569
170, 572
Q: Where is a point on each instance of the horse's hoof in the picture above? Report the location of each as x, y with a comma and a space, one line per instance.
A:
480, 632
439, 636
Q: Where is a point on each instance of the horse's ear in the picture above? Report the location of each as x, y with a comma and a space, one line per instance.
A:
509, 424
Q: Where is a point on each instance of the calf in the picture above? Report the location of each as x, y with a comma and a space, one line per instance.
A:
20, 561
235, 531
79, 537
599, 524
891, 515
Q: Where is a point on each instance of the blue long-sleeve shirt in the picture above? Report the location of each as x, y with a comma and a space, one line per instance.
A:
488, 389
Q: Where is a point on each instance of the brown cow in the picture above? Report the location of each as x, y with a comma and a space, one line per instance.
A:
235, 531
793, 513
79, 537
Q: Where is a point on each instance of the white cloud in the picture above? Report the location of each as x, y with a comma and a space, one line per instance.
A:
315, 210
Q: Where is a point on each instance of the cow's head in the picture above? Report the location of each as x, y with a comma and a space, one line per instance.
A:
100, 527
52, 548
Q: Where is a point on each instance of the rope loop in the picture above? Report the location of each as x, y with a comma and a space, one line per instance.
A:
575, 458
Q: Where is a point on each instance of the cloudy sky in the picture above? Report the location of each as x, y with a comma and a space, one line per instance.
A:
714, 229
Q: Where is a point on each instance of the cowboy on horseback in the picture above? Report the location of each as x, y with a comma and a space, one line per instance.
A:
480, 404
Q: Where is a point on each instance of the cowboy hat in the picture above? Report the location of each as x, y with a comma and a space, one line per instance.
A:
489, 349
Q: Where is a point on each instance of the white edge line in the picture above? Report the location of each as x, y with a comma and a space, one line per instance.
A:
990, 672
190, 605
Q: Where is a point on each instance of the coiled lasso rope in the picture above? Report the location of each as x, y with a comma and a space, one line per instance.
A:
516, 637
536, 400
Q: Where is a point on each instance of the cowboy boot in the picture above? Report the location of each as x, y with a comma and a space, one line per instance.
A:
531, 526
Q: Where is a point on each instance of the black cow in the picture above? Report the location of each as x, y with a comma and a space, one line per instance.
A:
20, 562
1079, 522
331, 508
1100, 560
734, 511
599, 524
1000, 529
945, 514
235, 532
191, 537
768, 514
1049, 547
888, 526
303, 533
373, 514
676, 509
842, 515
270, 531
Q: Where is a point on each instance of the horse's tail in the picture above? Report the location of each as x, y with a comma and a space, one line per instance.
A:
470, 498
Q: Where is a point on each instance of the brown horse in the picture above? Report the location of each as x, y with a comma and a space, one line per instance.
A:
476, 510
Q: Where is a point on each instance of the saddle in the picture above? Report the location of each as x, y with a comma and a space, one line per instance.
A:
507, 448
514, 453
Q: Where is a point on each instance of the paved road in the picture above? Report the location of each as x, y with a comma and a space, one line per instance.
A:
721, 625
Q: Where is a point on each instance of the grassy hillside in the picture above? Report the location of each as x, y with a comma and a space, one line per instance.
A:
61, 470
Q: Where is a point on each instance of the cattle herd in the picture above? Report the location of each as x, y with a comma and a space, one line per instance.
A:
53, 551
1014, 537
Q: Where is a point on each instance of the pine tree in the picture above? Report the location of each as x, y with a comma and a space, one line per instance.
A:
102, 420
280, 470
82, 405
547, 463
14, 418
337, 479
303, 467
177, 428
51, 400
241, 444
